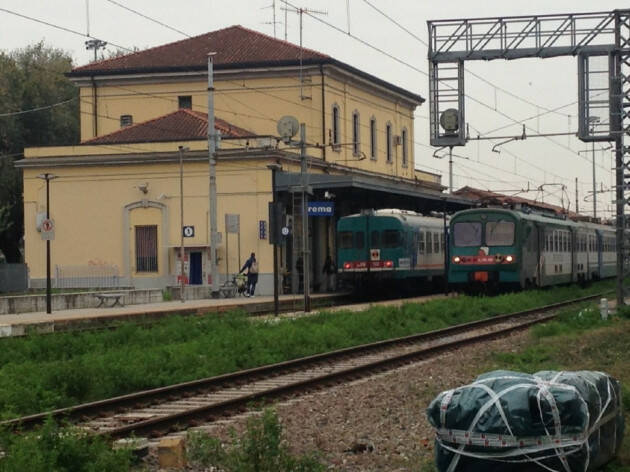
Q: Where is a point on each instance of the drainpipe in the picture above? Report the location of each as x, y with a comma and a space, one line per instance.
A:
321, 71
94, 114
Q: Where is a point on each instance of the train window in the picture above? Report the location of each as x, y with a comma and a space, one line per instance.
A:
436, 243
467, 234
375, 239
429, 243
499, 233
359, 238
346, 239
442, 242
555, 241
421, 242
392, 238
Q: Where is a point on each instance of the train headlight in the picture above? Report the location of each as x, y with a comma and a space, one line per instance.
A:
389, 264
509, 258
456, 259
347, 265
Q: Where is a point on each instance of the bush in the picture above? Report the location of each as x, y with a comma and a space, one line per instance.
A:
261, 449
53, 448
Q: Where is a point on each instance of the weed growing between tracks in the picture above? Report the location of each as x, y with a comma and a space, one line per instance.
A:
261, 448
43, 372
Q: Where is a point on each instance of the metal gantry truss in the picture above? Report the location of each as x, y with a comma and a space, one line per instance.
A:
600, 41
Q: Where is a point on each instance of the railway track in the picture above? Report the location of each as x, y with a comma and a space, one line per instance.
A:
158, 411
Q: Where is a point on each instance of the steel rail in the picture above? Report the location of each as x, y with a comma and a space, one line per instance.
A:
187, 389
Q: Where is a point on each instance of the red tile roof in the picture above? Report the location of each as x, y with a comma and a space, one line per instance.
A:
233, 45
180, 125
487, 196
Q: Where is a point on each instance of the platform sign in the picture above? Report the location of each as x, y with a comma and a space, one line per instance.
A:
48, 230
321, 208
262, 229
232, 223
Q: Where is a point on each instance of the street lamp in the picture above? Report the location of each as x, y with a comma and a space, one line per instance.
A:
593, 120
182, 150
48, 177
274, 168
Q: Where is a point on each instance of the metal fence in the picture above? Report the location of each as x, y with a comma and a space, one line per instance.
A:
89, 276
13, 278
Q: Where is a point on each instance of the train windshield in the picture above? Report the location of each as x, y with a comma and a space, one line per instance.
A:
392, 238
346, 239
467, 234
499, 233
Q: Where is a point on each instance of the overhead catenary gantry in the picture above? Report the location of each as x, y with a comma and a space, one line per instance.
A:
601, 43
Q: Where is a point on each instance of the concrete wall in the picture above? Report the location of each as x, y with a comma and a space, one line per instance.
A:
66, 301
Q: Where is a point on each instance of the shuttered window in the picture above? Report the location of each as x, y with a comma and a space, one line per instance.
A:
146, 249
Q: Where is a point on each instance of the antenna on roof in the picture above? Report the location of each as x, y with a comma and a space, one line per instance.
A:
273, 21
300, 11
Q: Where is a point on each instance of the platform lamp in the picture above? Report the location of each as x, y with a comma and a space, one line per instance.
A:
181, 150
275, 167
48, 177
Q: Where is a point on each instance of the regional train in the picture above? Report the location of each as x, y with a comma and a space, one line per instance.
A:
502, 247
487, 247
390, 247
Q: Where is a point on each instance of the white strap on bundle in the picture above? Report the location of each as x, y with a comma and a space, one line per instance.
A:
554, 441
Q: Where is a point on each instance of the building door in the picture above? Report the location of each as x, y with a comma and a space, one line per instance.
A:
195, 268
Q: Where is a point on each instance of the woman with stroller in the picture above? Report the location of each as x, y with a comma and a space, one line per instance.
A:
251, 265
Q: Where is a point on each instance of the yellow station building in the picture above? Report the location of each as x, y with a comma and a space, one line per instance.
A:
115, 199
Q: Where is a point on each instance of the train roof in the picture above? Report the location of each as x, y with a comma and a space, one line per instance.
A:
404, 215
538, 217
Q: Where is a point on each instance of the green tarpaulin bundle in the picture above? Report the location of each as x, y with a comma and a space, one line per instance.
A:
510, 421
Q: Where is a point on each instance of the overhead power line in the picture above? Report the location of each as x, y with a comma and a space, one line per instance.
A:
149, 18
32, 110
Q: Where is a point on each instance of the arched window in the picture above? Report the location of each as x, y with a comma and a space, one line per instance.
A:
373, 138
388, 144
336, 128
356, 134
405, 147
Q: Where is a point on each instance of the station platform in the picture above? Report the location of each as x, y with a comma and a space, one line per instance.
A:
93, 318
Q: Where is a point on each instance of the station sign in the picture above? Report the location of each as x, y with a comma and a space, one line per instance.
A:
188, 231
321, 208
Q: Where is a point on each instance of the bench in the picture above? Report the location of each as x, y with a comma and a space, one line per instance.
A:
116, 297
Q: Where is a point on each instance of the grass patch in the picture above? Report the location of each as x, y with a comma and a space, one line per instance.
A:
261, 448
43, 372
52, 448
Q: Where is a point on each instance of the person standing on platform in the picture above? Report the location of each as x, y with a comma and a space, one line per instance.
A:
330, 270
251, 265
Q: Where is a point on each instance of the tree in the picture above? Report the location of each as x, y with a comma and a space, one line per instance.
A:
30, 78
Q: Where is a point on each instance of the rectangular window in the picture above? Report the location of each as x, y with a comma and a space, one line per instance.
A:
336, 131
356, 135
388, 144
405, 148
126, 120
392, 238
499, 233
346, 239
467, 234
185, 101
436, 243
373, 139
429, 243
421, 242
442, 242
146, 249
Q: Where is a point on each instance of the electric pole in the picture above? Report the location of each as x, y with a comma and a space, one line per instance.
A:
212, 184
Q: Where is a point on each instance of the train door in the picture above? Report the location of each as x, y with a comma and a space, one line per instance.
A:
573, 253
529, 255
540, 254
600, 244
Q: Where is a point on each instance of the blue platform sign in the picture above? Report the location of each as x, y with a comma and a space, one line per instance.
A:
321, 208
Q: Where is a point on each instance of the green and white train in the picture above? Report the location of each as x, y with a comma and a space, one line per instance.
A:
400, 247
506, 247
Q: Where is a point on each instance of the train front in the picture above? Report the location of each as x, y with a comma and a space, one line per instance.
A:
484, 248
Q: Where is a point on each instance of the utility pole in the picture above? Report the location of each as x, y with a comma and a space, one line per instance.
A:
450, 169
182, 149
276, 303
48, 177
212, 185
593, 120
577, 205
305, 247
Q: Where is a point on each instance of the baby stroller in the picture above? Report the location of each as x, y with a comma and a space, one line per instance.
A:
240, 280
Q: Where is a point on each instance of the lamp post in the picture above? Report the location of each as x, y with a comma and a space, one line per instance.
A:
276, 304
593, 120
182, 150
48, 177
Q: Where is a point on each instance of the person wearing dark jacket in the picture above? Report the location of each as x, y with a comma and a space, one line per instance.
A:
330, 271
251, 265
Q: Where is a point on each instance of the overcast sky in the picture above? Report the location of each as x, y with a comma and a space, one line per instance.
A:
546, 84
